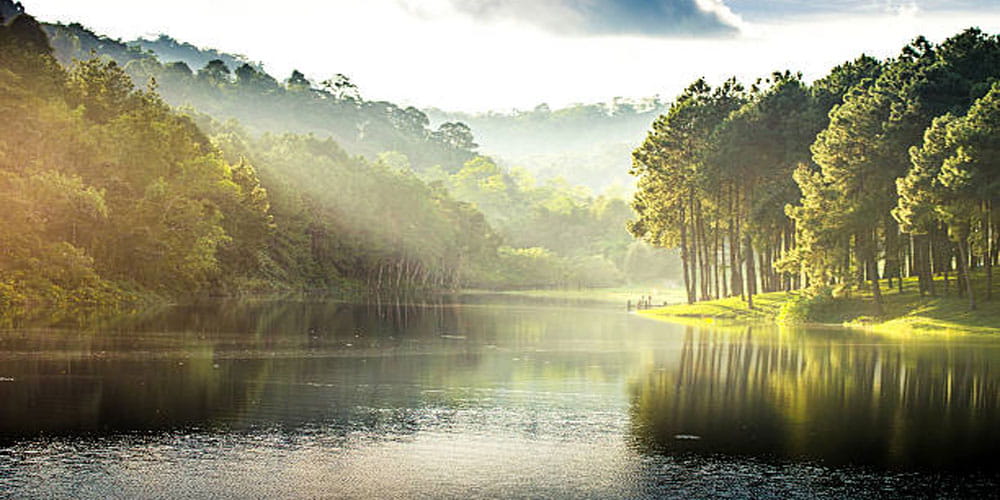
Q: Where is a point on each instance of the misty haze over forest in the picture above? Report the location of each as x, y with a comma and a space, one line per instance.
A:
315, 187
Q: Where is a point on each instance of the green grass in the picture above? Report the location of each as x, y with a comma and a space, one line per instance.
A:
905, 312
766, 307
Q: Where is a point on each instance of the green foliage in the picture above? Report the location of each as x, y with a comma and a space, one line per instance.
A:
170, 50
536, 267
584, 233
874, 183
812, 306
228, 86
112, 196
338, 217
106, 189
818, 185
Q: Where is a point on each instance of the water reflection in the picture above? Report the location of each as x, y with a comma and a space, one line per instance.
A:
837, 397
486, 399
240, 365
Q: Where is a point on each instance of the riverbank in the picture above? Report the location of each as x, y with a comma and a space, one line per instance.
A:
49, 305
905, 312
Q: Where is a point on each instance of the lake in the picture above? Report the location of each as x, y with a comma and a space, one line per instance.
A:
487, 396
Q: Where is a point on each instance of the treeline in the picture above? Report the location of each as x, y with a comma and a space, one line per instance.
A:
374, 224
584, 143
555, 234
229, 86
109, 195
106, 191
881, 169
544, 129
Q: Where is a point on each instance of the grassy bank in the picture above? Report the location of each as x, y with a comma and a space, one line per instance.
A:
905, 312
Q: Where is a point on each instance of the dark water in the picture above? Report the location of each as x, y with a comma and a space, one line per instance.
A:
291, 399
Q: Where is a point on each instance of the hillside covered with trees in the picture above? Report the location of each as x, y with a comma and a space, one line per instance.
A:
228, 86
116, 196
881, 169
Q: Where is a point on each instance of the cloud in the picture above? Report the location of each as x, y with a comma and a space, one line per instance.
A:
775, 9
660, 18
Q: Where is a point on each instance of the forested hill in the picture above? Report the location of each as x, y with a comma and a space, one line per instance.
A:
112, 195
585, 144
227, 86
168, 49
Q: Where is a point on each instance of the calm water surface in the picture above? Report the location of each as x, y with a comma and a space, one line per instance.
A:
489, 398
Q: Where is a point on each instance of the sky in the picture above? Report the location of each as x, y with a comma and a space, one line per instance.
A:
499, 55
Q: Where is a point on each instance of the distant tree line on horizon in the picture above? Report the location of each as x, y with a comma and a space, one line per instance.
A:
880, 169
229, 86
585, 143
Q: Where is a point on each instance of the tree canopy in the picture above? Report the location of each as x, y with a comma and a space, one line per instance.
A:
879, 169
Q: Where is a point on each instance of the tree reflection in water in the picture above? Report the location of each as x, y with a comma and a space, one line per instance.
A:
794, 395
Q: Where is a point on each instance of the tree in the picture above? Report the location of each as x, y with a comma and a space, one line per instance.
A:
215, 73
670, 165
754, 153
456, 135
103, 89
954, 180
178, 69
298, 82
867, 147
341, 87
974, 172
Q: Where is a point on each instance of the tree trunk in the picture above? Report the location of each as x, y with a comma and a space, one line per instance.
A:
876, 288
926, 265
685, 261
989, 250
963, 269
722, 268
900, 264
920, 262
715, 262
751, 285
696, 265
867, 247
706, 279
735, 277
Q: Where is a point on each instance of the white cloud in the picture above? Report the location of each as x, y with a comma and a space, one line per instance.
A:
637, 17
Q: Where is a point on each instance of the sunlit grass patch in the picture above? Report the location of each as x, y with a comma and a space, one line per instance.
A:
903, 313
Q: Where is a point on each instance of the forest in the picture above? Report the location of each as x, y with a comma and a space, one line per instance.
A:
880, 170
129, 181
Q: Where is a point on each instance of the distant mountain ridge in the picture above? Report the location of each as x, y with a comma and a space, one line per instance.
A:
587, 144
169, 49
228, 86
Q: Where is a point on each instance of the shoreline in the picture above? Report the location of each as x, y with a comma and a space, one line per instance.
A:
904, 313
